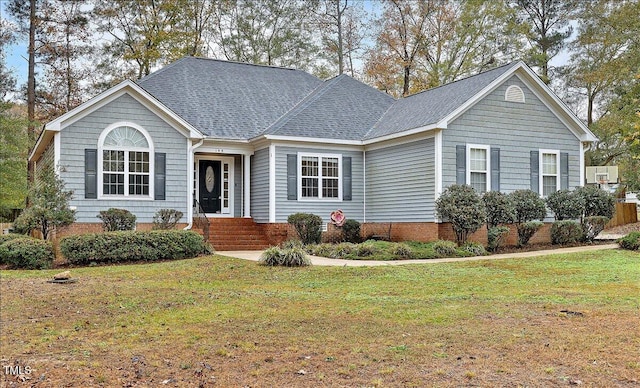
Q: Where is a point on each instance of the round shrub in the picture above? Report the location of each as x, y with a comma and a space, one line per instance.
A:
566, 232
630, 241
308, 226
499, 207
292, 257
598, 202
402, 250
463, 208
445, 248
592, 226
166, 219
117, 219
351, 231
26, 253
566, 205
526, 231
529, 206
11, 236
496, 237
474, 249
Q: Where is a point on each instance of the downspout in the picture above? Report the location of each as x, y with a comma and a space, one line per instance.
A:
364, 186
190, 155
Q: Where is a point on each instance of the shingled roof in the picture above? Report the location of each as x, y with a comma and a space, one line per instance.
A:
342, 108
432, 105
228, 100
232, 100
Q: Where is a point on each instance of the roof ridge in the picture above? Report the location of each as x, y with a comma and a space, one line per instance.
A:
375, 125
304, 102
462, 79
244, 63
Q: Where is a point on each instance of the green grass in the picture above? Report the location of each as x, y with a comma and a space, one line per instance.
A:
375, 325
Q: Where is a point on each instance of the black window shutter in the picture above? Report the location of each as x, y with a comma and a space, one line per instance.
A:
91, 173
535, 171
346, 178
495, 169
160, 160
564, 170
461, 164
292, 176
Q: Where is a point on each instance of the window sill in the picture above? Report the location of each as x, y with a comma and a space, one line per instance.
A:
126, 198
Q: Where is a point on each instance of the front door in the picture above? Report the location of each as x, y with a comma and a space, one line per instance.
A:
209, 185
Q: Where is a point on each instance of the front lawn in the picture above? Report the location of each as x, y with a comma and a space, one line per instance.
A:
548, 321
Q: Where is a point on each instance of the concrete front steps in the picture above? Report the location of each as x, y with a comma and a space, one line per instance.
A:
232, 234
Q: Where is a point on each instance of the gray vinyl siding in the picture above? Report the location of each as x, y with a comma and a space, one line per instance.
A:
47, 159
260, 186
84, 133
352, 209
401, 183
517, 129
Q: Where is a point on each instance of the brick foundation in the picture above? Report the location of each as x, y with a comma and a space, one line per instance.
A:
401, 231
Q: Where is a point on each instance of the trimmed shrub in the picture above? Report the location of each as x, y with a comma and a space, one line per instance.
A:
630, 241
351, 231
463, 208
117, 219
26, 253
598, 202
293, 257
445, 248
592, 226
526, 231
566, 232
11, 236
474, 249
113, 247
166, 219
566, 205
499, 207
496, 236
402, 250
529, 206
308, 226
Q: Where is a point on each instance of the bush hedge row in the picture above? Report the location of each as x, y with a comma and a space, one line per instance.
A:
630, 241
22, 252
114, 247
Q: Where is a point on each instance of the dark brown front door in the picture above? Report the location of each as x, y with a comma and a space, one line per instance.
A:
209, 185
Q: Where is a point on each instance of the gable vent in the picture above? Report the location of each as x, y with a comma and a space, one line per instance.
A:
514, 94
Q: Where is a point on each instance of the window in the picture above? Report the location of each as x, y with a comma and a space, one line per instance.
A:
319, 176
550, 177
478, 167
126, 168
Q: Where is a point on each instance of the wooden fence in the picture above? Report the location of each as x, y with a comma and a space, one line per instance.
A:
626, 213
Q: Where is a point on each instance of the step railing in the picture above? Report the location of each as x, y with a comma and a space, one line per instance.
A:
200, 219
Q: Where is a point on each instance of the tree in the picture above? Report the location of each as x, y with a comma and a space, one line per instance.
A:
340, 24
49, 205
7, 80
400, 38
269, 32
463, 208
547, 30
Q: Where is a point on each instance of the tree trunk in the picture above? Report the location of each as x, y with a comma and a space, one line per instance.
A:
31, 84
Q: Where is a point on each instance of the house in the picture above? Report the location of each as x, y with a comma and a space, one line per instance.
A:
248, 145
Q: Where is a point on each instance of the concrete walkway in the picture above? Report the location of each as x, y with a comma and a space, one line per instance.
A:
316, 260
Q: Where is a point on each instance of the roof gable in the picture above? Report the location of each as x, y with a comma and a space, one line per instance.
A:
341, 108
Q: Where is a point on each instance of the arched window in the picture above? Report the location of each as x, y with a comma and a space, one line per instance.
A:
514, 94
125, 161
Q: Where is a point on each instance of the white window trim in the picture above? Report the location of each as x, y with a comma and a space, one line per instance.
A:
319, 156
487, 148
150, 150
541, 171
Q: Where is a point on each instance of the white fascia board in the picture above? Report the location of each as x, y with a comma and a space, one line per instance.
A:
409, 132
43, 138
135, 91
312, 140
